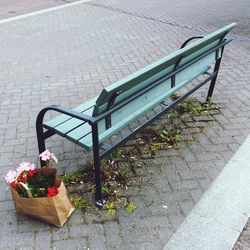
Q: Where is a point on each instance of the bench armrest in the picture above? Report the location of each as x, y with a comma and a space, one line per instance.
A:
66, 111
190, 39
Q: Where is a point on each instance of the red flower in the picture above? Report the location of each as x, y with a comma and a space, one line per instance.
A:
13, 184
52, 192
22, 178
31, 172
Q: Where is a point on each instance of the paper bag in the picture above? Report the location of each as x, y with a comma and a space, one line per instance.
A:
53, 210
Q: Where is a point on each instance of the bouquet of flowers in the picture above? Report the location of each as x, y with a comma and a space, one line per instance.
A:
39, 193
40, 183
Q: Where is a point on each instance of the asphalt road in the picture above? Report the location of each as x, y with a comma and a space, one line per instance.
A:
10, 8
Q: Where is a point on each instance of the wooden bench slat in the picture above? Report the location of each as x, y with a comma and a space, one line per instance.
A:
79, 132
72, 123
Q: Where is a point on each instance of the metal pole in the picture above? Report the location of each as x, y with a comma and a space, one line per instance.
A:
213, 81
99, 198
40, 135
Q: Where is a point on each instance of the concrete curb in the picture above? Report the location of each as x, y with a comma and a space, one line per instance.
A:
219, 217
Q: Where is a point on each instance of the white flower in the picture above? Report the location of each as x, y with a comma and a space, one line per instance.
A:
25, 166
11, 176
47, 156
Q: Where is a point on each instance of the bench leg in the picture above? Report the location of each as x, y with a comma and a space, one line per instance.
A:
99, 197
40, 139
213, 81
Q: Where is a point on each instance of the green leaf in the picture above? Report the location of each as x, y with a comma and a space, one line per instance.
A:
105, 190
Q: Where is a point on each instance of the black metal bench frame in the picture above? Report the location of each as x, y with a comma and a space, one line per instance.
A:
93, 121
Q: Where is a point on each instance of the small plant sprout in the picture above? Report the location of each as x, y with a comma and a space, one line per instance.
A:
171, 137
111, 208
130, 207
189, 107
117, 154
105, 191
48, 157
164, 135
175, 96
80, 202
72, 178
209, 100
178, 138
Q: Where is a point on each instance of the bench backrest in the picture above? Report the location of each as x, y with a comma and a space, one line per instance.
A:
157, 72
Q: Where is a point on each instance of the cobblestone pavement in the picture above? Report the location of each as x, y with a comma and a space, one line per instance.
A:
66, 57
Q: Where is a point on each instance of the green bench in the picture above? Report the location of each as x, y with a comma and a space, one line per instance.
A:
92, 124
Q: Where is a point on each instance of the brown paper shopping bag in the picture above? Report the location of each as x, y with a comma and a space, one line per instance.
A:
54, 210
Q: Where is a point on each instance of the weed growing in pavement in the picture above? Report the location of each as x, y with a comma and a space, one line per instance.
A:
80, 202
116, 154
189, 107
105, 191
171, 137
111, 208
72, 178
175, 96
130, 207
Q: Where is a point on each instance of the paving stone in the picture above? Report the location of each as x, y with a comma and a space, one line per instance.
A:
112, 232
142, 236
234, 147
85, 230
97, 242
60, 233
43, 240
76, 218
184, 185
26, 224
161, 209
176, 219
74, 244
186, 206
25, 248
207, 156
204, 183
196, 165
22, 240
196, 195
6, 205
146, 246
